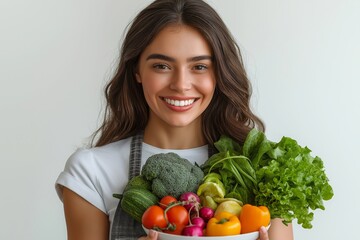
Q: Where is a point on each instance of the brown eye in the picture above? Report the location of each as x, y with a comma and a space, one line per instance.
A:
161, 66
200, 67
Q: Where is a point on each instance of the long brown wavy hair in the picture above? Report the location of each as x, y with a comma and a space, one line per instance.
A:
229, 112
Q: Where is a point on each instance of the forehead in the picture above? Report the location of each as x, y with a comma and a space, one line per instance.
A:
179, 41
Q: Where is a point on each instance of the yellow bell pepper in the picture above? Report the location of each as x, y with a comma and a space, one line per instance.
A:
223, 224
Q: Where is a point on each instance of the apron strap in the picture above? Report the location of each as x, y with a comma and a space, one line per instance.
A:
124, 226
211, 150
135, 155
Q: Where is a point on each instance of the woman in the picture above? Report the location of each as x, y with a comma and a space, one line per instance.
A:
179, 86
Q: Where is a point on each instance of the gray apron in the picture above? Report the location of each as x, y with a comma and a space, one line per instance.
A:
124, 226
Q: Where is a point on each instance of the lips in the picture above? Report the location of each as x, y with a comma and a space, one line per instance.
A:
179, 103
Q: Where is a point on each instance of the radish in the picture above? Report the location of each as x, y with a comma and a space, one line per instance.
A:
192, 230
198, 221
206, 213
191, 201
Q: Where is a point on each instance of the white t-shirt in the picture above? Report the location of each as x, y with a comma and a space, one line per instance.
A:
97, 173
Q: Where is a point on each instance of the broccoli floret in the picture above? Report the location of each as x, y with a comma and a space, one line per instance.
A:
171, 175
138, 181
196, 170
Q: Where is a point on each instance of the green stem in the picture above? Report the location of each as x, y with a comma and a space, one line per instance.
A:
226, 158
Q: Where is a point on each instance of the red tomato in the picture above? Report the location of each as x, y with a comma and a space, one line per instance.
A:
179, 217
165, 201
154, 217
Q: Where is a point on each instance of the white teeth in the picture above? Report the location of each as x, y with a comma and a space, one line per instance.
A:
179, 103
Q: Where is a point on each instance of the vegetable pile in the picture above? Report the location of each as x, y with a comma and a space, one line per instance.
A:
162, 174
235, 191
186, 216
282, 176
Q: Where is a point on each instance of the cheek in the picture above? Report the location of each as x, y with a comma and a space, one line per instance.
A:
207, 87
152, 84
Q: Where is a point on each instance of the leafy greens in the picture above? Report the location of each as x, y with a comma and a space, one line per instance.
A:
282, 176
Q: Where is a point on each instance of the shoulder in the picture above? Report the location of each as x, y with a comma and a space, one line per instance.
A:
96, 173
99, 156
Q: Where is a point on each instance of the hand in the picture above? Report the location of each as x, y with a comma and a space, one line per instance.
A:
263, 234
153, 235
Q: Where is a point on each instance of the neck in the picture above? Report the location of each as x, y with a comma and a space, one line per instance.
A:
174, 138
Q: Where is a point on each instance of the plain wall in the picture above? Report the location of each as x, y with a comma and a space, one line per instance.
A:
303, 58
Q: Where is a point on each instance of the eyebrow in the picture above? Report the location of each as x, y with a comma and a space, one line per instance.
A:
170, 59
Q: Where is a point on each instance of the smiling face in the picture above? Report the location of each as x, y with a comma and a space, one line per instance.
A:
177, 75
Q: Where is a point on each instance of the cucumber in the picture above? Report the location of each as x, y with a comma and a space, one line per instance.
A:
136, 200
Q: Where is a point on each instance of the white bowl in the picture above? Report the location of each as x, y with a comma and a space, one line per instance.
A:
245, 236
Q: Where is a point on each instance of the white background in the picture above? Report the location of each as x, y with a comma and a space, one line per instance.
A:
55, 57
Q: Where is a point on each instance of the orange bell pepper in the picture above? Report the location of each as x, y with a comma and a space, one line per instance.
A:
223, 224
253, 217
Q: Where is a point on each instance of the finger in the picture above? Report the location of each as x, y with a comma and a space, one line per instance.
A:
153, 235
263, 233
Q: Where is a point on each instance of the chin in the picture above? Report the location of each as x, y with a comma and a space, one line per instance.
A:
183, 123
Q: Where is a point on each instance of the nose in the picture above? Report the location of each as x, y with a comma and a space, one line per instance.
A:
181, 80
